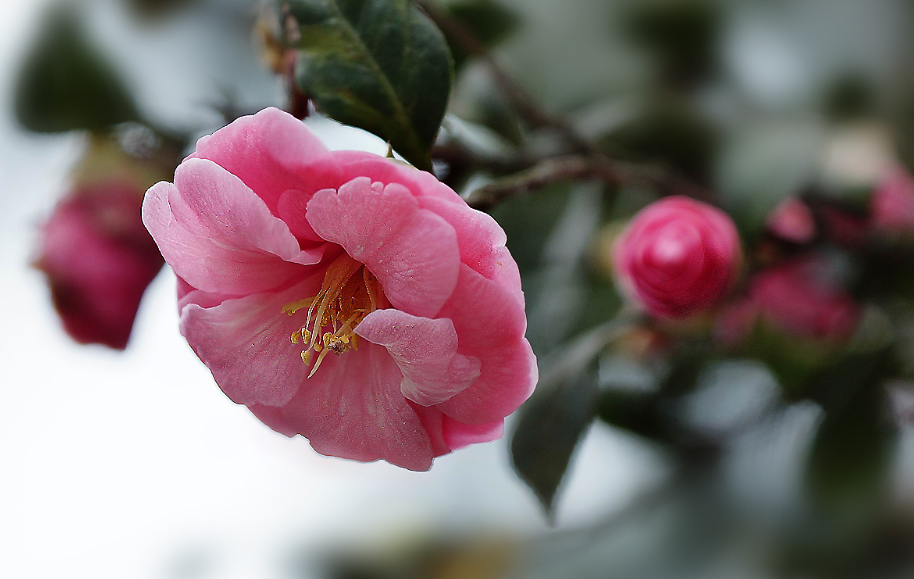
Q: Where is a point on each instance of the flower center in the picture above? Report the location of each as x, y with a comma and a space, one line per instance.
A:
349, 293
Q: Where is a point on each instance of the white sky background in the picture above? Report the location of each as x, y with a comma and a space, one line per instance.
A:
117, 465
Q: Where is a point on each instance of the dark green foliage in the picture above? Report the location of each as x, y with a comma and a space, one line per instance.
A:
65, 84
380, 65
548, 431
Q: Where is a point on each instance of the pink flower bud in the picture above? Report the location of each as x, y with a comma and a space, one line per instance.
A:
792, 221
99, 259
800, 298
892, 202
677, 256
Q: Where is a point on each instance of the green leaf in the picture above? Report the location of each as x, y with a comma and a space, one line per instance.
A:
65, 84
851, 455
547, 433
380, 65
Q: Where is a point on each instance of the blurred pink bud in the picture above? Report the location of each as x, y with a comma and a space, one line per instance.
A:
801, 299
677, 256
99, 259
892, 202
792, 220
845, 228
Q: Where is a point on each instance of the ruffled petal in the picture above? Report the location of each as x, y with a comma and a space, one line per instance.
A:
214, 253
490, 326
412, 252
271, 152
387, 171
481, 240
352, 408
246, 344
426, 352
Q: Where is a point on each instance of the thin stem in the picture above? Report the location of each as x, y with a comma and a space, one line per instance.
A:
599, 167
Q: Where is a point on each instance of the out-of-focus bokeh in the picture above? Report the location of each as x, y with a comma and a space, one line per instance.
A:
768, 437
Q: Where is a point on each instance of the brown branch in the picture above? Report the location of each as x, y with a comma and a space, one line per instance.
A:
527, 107
598, 167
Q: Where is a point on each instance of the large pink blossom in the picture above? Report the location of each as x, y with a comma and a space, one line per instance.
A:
342, 296
678, 256
99, 260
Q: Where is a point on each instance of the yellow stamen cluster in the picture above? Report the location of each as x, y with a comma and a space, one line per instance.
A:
348, 294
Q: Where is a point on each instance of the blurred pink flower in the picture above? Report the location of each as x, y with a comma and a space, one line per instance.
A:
801, 299
287, 252
892, 202
792, 220
677, 256
99, 259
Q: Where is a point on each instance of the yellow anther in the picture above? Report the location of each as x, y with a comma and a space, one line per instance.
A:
346, 297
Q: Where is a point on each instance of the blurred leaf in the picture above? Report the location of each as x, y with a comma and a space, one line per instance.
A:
851, 454
683, 35
547, 433
488, 21
762, 164
380, 65
632, 410
669, 132
156, 8
65, 84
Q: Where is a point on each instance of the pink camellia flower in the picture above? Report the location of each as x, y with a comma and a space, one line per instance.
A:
99, 259
792, 221
343, 296
677, 256
892, 202
801, 298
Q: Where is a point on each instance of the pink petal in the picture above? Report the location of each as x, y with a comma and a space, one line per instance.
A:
246, 343
459, 435
272, 417
490, 325
218, 236
387, 171
352, 408
481, 241
271, 152
433, 422
413, 252
426, 352
448, 434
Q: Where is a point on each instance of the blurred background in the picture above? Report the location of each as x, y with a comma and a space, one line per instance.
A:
770, 437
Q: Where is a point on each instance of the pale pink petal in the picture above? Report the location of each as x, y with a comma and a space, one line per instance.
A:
413, 252
246, 343
426, 352
271, 152
490, 325
188, 294
352, 408
459, 435
206, 263
387, 171
481, 241
219, 205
